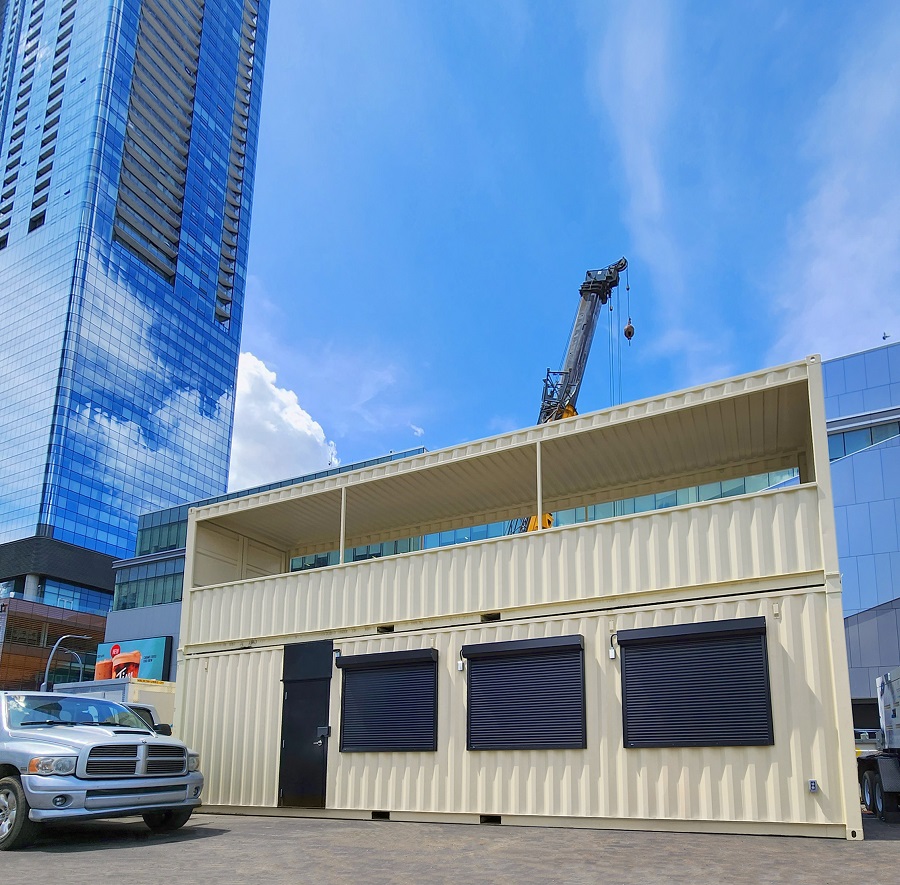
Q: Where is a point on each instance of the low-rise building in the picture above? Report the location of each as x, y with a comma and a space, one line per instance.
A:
682, 668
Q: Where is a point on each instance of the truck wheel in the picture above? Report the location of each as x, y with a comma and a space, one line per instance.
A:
868, 790
167, 821
16, 830
879, 797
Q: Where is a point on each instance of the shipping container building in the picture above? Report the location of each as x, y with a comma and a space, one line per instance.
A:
680, 668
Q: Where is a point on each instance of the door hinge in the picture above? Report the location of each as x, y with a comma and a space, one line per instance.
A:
282, 745
285, 695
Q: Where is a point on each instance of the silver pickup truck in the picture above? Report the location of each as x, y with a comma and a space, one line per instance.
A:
65, 757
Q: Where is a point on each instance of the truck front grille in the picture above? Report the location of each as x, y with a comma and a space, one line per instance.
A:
130, 760
112, 760
166, 760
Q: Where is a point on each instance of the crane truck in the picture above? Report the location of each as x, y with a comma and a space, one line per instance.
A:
879, 770
561, 388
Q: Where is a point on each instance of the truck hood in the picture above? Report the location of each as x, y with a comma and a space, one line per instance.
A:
77, 737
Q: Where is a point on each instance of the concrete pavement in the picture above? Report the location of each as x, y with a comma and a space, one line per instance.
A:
225, 849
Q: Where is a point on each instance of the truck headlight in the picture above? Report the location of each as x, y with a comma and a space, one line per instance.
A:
193, 761
52, 765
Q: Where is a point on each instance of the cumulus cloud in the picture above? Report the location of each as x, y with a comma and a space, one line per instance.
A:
840, 284
274, 438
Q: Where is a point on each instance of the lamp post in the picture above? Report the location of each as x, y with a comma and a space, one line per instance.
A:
77, 656
45, 684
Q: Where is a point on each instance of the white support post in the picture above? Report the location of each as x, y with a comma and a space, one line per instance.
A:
343, 523
540, 488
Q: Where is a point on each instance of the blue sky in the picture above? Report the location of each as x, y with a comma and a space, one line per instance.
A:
434, 179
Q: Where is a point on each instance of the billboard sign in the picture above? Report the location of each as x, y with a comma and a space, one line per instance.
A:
143, 658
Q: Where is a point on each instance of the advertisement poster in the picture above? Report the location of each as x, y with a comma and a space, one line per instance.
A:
143, 658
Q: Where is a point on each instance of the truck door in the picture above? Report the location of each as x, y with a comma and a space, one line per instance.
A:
304, 728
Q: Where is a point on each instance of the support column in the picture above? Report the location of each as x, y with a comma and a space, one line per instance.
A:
540, 488
32, 589
343, 524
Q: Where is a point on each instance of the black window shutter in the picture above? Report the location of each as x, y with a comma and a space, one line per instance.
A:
389, 702
697, 685
526, 695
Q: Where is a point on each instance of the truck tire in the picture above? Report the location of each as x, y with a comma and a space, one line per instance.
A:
868, 790
16, 830
878, 793
167, 821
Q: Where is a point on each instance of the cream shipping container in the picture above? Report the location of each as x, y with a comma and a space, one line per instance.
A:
681, 666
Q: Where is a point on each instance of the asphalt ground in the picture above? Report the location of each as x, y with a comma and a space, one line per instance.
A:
226, 848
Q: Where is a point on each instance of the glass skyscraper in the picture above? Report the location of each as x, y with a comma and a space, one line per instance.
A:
129, 132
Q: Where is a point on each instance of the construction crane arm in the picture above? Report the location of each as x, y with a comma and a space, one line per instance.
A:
561, 388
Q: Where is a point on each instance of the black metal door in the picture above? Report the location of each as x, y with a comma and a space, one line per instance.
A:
305, 728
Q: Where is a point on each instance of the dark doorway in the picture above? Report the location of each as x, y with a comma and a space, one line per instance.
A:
304, 728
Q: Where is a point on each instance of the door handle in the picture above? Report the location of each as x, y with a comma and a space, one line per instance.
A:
318, 743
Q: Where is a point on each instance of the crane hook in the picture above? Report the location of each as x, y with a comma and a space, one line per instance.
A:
629, 330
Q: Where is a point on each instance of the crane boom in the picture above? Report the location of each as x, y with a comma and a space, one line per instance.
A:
561, 388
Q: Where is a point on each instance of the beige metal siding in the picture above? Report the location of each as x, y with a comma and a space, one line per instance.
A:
724, 542
768, 784
232, 717
235, 715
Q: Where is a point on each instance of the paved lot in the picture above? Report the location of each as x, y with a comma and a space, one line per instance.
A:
226, 849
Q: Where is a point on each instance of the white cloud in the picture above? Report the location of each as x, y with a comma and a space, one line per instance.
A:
274, 438
632, 74
839, 287
417, 431
636, 79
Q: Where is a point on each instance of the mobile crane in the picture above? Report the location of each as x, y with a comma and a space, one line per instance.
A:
561, 388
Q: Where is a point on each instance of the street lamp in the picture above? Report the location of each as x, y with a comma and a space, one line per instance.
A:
77, 656
45, 684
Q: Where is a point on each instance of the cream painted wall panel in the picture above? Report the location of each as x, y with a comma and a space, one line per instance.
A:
262, 560
232, 717
733, 540
218, 555
696, 784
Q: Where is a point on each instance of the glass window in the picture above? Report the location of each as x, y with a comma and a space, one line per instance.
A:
710, 491
666, 499
857, 440
732, 487
885, 431
836, 446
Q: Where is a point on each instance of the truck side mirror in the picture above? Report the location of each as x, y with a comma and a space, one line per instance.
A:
163, 729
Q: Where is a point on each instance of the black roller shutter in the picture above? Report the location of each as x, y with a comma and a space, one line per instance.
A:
527, 694
389, 701
697, 685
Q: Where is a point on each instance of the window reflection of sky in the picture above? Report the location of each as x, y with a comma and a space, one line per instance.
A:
137, 415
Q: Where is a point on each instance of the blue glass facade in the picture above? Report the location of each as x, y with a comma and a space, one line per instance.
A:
862, 403
116, 375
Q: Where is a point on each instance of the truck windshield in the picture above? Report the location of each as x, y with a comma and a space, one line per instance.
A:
24, 710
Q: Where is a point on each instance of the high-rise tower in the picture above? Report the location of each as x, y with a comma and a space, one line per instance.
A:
129, 133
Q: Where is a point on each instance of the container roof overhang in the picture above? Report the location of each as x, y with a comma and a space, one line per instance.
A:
739, 427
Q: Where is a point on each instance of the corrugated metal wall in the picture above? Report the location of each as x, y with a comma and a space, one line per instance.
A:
235, 721
730, 541
606, 780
